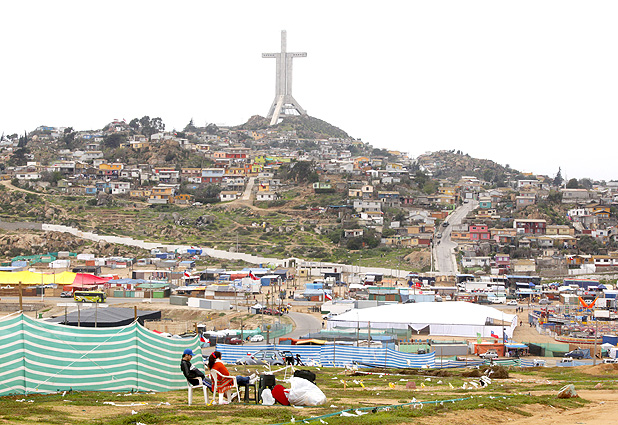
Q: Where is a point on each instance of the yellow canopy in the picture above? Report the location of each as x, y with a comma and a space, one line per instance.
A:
35, 278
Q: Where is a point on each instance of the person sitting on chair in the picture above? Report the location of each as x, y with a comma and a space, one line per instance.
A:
214, 362
191, 372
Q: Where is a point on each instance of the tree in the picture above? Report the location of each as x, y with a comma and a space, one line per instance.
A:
134, 124
212, 129
113, 140
51, 177
585, 184
572, 184
208, 194
19, 157
301, 171
68, 137
190, 126
558, 179
420, 178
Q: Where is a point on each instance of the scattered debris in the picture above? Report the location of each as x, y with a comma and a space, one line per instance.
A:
568, 391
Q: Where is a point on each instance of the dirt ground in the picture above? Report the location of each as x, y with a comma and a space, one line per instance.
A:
601, 411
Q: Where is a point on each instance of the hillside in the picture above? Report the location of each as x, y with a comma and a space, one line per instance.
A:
455, 164
306, 127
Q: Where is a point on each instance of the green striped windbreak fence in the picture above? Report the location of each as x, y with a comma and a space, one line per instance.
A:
41, 357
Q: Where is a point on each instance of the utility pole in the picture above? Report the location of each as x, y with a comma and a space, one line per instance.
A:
596, 330
21, 301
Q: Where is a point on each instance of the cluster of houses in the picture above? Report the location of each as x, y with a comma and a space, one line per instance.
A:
374, 185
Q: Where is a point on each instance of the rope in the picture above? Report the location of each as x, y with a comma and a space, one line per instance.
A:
376, 409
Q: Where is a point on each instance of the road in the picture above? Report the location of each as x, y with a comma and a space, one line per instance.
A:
444, 248
305, 323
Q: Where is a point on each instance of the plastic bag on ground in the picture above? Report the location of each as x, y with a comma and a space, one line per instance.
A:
305, 393
568, 391
267, 397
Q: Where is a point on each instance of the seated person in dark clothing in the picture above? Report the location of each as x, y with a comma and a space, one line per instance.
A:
191, 372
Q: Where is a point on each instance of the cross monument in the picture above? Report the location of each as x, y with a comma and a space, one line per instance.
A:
284, 103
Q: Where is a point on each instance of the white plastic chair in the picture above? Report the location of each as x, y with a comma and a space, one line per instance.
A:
190, 388
231, 393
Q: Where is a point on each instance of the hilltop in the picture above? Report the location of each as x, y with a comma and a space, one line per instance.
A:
454, 164
306, 127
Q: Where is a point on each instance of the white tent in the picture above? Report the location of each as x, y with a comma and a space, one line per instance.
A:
448, 318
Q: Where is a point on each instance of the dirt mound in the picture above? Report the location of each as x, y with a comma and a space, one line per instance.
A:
600, 369
418, 259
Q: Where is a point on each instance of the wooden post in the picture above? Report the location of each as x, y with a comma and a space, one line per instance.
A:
134, 312
21, 302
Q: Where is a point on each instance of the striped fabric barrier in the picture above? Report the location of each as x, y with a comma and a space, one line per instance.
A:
336, 355
42, 357
452, 364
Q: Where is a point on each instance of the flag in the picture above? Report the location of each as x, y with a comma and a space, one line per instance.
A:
493, 335
478, 338
505, 338
202, 339
187, 275
253, 277
327, 297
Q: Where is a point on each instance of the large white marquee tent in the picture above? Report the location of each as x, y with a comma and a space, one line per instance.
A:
454, 318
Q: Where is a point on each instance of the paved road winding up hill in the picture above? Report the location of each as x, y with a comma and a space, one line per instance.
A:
444, 247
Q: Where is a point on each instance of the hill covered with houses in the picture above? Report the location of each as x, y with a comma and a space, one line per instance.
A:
305, 189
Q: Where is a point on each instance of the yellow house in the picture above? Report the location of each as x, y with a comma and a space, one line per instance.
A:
447, 190
563, 230
139, 193
360, 162
161, 194
182, 198
235, 171
601, 212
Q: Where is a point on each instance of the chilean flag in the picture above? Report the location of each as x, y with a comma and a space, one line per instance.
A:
493, 335
327, 297
187, 275
252, 276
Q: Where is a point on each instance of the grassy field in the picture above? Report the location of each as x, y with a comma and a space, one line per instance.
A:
381, 397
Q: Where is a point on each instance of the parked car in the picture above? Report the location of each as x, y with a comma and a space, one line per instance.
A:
489, 355
263, 357
544, 301
445, 224
272, 312
610, 361
512, 302
233, 340
66, 294
256, 338
576, 354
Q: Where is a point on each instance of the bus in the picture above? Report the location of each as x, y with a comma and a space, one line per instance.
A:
89, 296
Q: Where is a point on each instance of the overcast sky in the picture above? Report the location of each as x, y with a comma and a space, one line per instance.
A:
532, 84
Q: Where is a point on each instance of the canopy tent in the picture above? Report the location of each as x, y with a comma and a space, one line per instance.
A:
106, 317
516, 346
64, 278
455, 318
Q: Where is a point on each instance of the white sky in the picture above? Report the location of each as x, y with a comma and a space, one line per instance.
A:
532, 84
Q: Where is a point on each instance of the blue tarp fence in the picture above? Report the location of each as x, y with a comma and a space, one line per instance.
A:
337, 355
